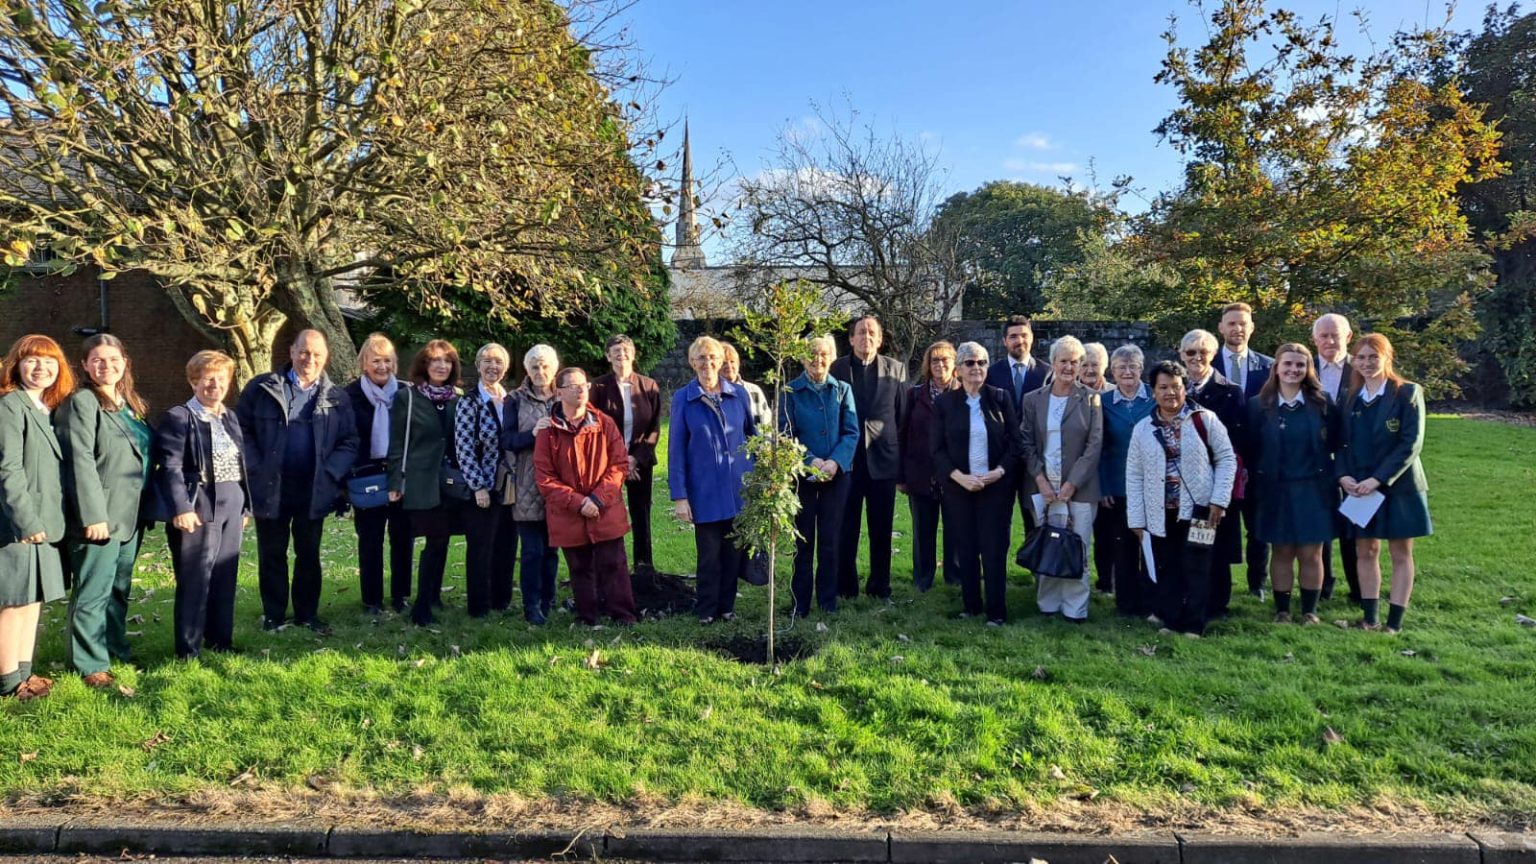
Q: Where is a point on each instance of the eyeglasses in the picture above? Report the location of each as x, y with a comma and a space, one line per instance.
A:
973, 363
1195, 352
585, 385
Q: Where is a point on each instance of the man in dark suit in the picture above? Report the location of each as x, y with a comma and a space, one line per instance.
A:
634, 403
1331, 335
1016, 374
300, 440
1211, 390
879, 385
1248, 369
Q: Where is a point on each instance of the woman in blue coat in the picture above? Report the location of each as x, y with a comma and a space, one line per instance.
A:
706, 463
1383, 432
1291, 427
34, 381
104, 432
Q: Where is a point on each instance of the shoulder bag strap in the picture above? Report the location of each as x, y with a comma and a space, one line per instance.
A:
405, 446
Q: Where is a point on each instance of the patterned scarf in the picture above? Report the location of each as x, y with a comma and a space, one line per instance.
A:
437, 393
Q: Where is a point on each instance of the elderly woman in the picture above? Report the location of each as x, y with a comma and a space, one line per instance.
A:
917, 426
1063, 429
977, 449
1211, 390
817, 410
420, 433
706, 463
1116, 553
1383, 433
1291, 426
32, 520
526, 417
1178, 485
490, 541
104, 432
633, 401
730, 370
1091, 372
373, 398
581, 462
201, 478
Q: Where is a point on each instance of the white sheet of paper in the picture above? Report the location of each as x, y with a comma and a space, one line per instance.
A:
1146, 553
1360, 508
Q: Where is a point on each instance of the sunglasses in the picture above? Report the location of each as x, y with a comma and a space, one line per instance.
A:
973, 363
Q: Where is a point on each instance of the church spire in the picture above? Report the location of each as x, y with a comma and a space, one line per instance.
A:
688, 252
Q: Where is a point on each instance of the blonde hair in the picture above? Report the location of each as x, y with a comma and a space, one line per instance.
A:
207, 361
702, 344
378, 345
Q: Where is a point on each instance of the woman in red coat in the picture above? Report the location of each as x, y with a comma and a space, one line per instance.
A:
580, 463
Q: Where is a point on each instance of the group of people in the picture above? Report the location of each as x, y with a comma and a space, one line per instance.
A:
1145, 467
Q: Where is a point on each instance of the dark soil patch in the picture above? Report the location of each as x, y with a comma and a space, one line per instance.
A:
753, 650
660, 595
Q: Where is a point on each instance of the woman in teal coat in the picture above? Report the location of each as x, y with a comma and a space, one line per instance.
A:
35, 379
106, 442
1291, 427
1383, 432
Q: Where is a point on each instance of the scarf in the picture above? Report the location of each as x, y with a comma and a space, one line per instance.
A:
382, 398
436, 393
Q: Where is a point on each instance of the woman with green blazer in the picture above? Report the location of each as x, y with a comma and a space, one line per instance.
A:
34, 380
1383, 433
420, 430
105, 435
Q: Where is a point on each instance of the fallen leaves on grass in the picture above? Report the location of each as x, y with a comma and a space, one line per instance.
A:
1408, 652
594, 660
28, 757
244, 777
821, 627
1040, 674
128, 692
154, 741
1331, 736
1149, 650
318, 782
1525, 621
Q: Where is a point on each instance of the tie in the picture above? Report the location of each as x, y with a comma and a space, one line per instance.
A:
1018, 383
1238, 372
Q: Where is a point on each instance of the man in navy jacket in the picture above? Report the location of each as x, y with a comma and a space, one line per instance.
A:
1016, 374
1248, 369
300, 442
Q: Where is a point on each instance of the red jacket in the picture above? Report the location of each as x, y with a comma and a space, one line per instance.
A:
576, 463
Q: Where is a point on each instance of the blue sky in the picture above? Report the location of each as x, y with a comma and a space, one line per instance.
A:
1016, 89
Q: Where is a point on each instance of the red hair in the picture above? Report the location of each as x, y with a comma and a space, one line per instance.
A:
1384, 351
37, 345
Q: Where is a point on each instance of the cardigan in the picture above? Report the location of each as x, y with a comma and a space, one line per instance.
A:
1204, 484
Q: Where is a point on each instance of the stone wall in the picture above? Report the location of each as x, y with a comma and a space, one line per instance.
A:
672, 370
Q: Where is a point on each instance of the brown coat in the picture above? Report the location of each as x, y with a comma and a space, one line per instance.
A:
576, 463
645, 408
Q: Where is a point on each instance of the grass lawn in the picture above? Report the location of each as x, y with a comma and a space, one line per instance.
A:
901, 709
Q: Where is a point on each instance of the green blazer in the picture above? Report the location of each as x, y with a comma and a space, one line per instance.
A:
103, 467
1395, 440
416, 461
31, 482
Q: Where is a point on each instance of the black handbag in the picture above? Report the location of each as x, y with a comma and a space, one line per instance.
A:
1053, 551
452, 483
757, 568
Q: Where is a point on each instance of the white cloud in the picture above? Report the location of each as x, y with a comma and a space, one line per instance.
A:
1035, 141
1026, 166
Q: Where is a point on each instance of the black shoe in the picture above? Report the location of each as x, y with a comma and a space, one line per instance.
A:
223, 649
728, 616
706, 620
374, 609
318, 626
398, 604
271, 624
423, 618
535, 617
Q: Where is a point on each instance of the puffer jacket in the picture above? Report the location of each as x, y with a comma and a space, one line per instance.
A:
523, 410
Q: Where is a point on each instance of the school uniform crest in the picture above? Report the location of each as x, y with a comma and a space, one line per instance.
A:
1394, 425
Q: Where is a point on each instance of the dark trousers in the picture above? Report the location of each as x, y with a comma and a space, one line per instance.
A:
436, 527
1183, 578
718, 569
979, 522
1228, 540
1254, 552
373, 526
821, 513
98, 609
1106, 528
272, 566
638, 494
1345, 532
489, 558
879, 496
1134, 591
600, 581
541, 566
205, 563
1024, 490
925, 544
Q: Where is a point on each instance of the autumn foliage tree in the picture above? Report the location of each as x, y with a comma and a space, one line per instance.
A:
1316, 181
255, 153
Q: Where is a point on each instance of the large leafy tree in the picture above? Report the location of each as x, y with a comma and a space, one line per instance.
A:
1012, 239
1319, 181
253, 153
1499, 70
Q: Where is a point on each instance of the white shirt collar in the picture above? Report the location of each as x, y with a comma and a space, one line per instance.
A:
1293, 401
201, 412
1331, 364
1118, 397
1209, 374
1368, 395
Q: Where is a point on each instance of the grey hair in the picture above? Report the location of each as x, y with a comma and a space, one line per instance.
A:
538, 352
489, 347
1339, 320
1094, 353
968, 350
1199, 337
1064, 342
824, 339
1130, 353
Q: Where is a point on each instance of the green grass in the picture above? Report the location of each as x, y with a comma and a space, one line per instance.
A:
902, 708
